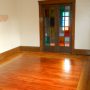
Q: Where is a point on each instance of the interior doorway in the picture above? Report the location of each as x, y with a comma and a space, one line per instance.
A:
57, 27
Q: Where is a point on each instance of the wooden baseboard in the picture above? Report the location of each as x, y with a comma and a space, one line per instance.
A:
9, 53
84, 82
36, 49
81, 52
29, 48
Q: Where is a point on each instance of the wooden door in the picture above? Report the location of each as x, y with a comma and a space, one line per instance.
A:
50, 27
57, 28
64, 28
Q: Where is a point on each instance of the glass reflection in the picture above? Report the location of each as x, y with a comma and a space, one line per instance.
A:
66, 23
67, 65
66, 28
66, 18
66, 13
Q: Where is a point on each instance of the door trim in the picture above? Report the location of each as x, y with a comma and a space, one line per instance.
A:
41, 20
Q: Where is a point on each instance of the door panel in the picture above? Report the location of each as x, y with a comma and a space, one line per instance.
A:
50, 26
57, 33
64, 34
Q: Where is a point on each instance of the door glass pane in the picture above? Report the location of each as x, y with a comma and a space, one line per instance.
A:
50, 27
67, 23
64, 26
47, 37
67, 8
66, 13
61, 40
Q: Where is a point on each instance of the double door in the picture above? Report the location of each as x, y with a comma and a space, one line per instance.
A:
57, 20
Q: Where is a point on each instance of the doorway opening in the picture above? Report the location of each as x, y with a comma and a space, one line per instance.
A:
57, 23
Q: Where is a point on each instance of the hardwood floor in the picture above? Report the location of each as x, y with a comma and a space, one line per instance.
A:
45, 71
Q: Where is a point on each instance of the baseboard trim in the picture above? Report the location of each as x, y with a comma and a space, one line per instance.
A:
37, 49
29, 48
81, 52
84, 78
9, 53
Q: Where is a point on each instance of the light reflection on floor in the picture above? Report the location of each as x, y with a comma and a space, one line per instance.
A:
67, 65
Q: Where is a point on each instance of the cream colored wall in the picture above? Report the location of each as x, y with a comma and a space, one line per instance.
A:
9, 33
28, 15
82, 31
29, 23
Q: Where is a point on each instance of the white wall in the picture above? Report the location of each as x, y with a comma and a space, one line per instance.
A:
28, 12
82, 31
9, 33
28, 15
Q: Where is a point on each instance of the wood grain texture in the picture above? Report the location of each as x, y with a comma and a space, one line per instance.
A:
9, 53
84, 82
42, 71
82, 51
56, 1
29, 48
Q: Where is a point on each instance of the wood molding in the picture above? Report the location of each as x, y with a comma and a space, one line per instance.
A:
84, 82
55, 1
29, 48
36, 49
81, 52
9, 53
41, 20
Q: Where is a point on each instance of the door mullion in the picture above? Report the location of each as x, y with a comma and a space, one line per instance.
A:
57, 26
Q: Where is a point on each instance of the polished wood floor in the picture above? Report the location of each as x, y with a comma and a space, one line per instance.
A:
45, 71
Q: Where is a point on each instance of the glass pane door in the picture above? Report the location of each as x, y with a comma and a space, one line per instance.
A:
64, 26
49, 26
57, 35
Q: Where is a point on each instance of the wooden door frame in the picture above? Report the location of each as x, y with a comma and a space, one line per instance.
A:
41, 23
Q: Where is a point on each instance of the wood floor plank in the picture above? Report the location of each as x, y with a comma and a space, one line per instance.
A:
42, 71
